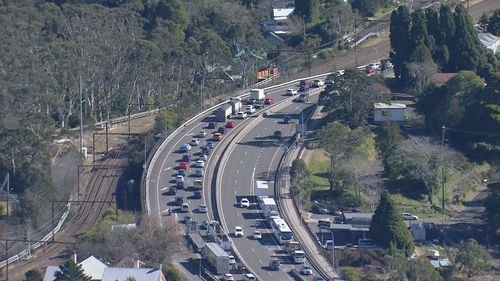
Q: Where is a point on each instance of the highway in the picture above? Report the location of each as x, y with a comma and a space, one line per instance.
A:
255, 157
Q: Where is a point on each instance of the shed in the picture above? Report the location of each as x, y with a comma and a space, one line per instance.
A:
418, 231
393, 112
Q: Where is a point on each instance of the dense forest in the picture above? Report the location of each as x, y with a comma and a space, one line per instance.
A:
126, 56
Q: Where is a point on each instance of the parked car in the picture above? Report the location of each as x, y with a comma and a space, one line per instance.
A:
212, 125
185, 147
250, 109
184, 166
184, 207
202, 208
318, 83
195, 142
197, 195
291, 92
249, 277
242, 115
179, 200
172, 190
268, 101
305, 83
257, 235
318, 278
306, 270
304, 88
238, 231
274, 264
200, 163
203, 156
369, 70
186, 158
230, 124
210, 145
218, 136
228, 277
409, 216
182, 172
221, 130
199, 173
244, 203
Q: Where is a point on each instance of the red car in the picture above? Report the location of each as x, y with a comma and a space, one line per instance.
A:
268, 101
231, 124
184, 166
218, 136
370, 70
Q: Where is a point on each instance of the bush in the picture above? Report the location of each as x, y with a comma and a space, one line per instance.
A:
351, 274
326, 54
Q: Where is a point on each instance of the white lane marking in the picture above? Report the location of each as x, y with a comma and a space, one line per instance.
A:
241, 161
260, 261
253, 251
246, 152
238, 172
167, 168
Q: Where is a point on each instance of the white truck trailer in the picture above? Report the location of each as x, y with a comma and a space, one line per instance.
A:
257, 95
236, 104
216, 257
262, 189
268, 206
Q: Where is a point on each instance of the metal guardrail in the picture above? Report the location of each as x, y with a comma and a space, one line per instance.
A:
25, 253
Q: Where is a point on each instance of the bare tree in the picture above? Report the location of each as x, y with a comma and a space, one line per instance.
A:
423, 159
421, 74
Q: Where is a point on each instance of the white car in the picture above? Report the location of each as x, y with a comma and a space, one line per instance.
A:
194, 142
244, 203
257, 235
238, 231
410, 217
318, 83
242, 115
228, 277
200, 163
202, 208
202, 134
250, 109
232, 260
203, 157
306, 270
291, 92
249, 277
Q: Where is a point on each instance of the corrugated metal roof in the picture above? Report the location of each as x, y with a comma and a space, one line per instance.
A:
93, 267
49, 273
381, 105
140, 274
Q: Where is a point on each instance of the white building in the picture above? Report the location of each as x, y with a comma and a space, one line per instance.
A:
394, 112
489, 41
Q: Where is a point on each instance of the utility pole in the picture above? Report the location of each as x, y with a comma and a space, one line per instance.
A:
443, 129
81, 116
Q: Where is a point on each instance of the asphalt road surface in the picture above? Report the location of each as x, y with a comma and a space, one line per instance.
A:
255, 158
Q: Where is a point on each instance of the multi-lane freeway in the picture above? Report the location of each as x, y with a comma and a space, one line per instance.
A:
255, 157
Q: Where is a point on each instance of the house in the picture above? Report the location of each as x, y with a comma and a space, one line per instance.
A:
392, 112
354, 226
98, 271
92, 267
139, 274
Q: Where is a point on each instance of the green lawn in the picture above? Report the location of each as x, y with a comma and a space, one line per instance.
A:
318, 166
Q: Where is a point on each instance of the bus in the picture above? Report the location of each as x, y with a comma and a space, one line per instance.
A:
281, 230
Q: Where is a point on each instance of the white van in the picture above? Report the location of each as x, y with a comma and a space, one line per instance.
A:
198, 184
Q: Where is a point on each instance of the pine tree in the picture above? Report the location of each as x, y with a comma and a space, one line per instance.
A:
387, 226
400, 43
418, 32
70, 271
467, 52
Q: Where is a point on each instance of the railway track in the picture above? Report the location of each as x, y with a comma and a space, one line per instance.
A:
100, 186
